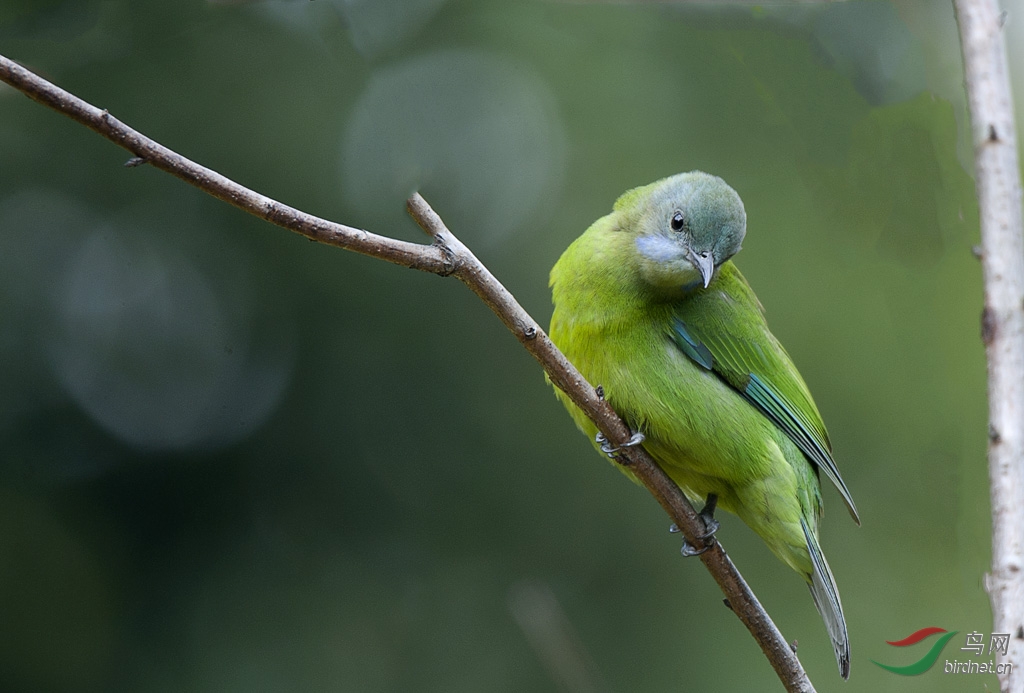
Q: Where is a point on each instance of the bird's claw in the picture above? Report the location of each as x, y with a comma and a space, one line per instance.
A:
613, 452
689, 549
711, 526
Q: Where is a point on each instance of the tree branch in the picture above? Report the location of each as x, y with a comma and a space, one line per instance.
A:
997, 178
447, 256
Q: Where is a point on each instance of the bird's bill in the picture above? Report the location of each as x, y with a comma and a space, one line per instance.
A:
706, 266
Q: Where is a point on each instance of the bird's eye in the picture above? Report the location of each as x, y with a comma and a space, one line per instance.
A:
678, 222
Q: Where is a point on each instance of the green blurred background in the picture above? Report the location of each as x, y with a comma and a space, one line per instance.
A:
234, 460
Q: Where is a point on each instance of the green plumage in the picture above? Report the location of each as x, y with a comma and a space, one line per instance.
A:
649, 306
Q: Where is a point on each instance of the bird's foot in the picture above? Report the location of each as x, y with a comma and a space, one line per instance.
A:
710, 527
613, 452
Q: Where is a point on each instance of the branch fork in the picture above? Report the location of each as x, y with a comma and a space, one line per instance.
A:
447, 256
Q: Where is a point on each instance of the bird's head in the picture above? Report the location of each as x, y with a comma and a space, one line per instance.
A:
684, 228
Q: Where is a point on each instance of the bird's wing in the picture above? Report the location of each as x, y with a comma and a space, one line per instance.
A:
723, 330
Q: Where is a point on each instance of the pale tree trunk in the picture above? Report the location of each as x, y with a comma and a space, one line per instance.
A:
997, 176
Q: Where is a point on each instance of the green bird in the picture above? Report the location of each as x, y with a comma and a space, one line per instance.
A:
648, 305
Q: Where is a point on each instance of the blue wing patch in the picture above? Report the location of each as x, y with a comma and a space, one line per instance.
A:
772, 404
690, 346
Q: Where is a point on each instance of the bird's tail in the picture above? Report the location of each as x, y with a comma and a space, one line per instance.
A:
826, 598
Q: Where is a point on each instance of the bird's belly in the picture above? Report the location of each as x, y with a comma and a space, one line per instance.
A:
705, 435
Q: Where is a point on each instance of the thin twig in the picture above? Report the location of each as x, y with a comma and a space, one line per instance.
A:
414, 255
448, 256
997, 178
